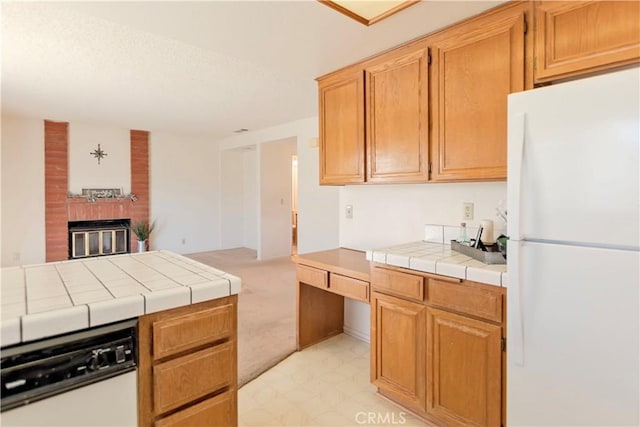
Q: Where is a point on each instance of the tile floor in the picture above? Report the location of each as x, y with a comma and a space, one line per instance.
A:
324, 385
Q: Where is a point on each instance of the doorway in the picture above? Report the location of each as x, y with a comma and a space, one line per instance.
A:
294, 204
276, 198
258, 198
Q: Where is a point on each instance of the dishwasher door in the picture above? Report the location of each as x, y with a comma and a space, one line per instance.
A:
111, 402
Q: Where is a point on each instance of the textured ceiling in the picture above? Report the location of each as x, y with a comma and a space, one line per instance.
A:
191, 68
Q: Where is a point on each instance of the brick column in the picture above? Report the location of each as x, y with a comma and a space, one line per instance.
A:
56, 179
139, 179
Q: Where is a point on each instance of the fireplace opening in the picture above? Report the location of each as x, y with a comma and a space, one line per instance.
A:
98, 238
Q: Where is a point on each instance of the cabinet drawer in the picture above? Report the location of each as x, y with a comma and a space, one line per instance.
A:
185, 379
398, 283
349, 287
312, 276
217, 411
465, 299
192, 330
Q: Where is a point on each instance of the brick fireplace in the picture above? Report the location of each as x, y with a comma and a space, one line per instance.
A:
61, 209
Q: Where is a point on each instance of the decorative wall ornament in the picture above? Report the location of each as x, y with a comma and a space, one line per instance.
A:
98, 153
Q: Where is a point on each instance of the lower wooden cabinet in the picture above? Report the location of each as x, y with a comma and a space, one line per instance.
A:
441, 358
398, 343
187, 373
463, 369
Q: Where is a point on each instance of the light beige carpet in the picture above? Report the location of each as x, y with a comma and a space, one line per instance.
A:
266, 307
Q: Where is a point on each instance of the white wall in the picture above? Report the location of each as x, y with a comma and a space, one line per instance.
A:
114, 170
239, 198
231, 199
22, 214
251, 197
275, 198
185, 187
384, 215
317, 206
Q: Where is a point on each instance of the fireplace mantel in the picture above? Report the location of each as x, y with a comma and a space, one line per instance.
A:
80, 209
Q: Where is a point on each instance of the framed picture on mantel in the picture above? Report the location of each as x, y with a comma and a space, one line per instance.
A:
102, 192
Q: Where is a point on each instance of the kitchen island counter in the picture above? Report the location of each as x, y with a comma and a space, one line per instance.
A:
48, 299
438, 258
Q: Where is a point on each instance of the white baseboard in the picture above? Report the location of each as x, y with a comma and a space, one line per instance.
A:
356, 334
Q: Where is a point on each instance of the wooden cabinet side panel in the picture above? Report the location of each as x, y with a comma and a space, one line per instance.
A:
397, 117
577, 37
320, 315
342, 144
192, 330
219, 411
145, 371
464, 360
398, 349
474, 68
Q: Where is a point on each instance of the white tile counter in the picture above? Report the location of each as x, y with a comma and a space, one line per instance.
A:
438, 258
43, 300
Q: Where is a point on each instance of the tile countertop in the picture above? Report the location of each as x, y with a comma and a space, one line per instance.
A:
48, 299
438, 258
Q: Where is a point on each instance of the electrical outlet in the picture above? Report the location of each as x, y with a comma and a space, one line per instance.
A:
348, 212
467, 210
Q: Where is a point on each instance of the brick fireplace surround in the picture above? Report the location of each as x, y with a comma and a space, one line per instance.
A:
60, 209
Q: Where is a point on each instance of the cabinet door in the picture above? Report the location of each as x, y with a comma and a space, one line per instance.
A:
475, 66
341, 98
463, 369
398, 349
397, 116
576, 37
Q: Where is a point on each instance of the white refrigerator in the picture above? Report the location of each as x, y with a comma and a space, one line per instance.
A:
574, 253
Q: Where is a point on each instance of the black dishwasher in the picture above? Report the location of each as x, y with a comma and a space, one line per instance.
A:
41, 369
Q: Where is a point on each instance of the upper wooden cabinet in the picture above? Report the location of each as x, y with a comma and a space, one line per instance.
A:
475, 66
387, 96
341, 106
431, 110
435, 109
578, 37
396, 88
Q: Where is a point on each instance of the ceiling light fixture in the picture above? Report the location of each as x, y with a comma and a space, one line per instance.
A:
368, 12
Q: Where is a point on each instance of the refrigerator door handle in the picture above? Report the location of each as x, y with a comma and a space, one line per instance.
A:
517, 135
515, 343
